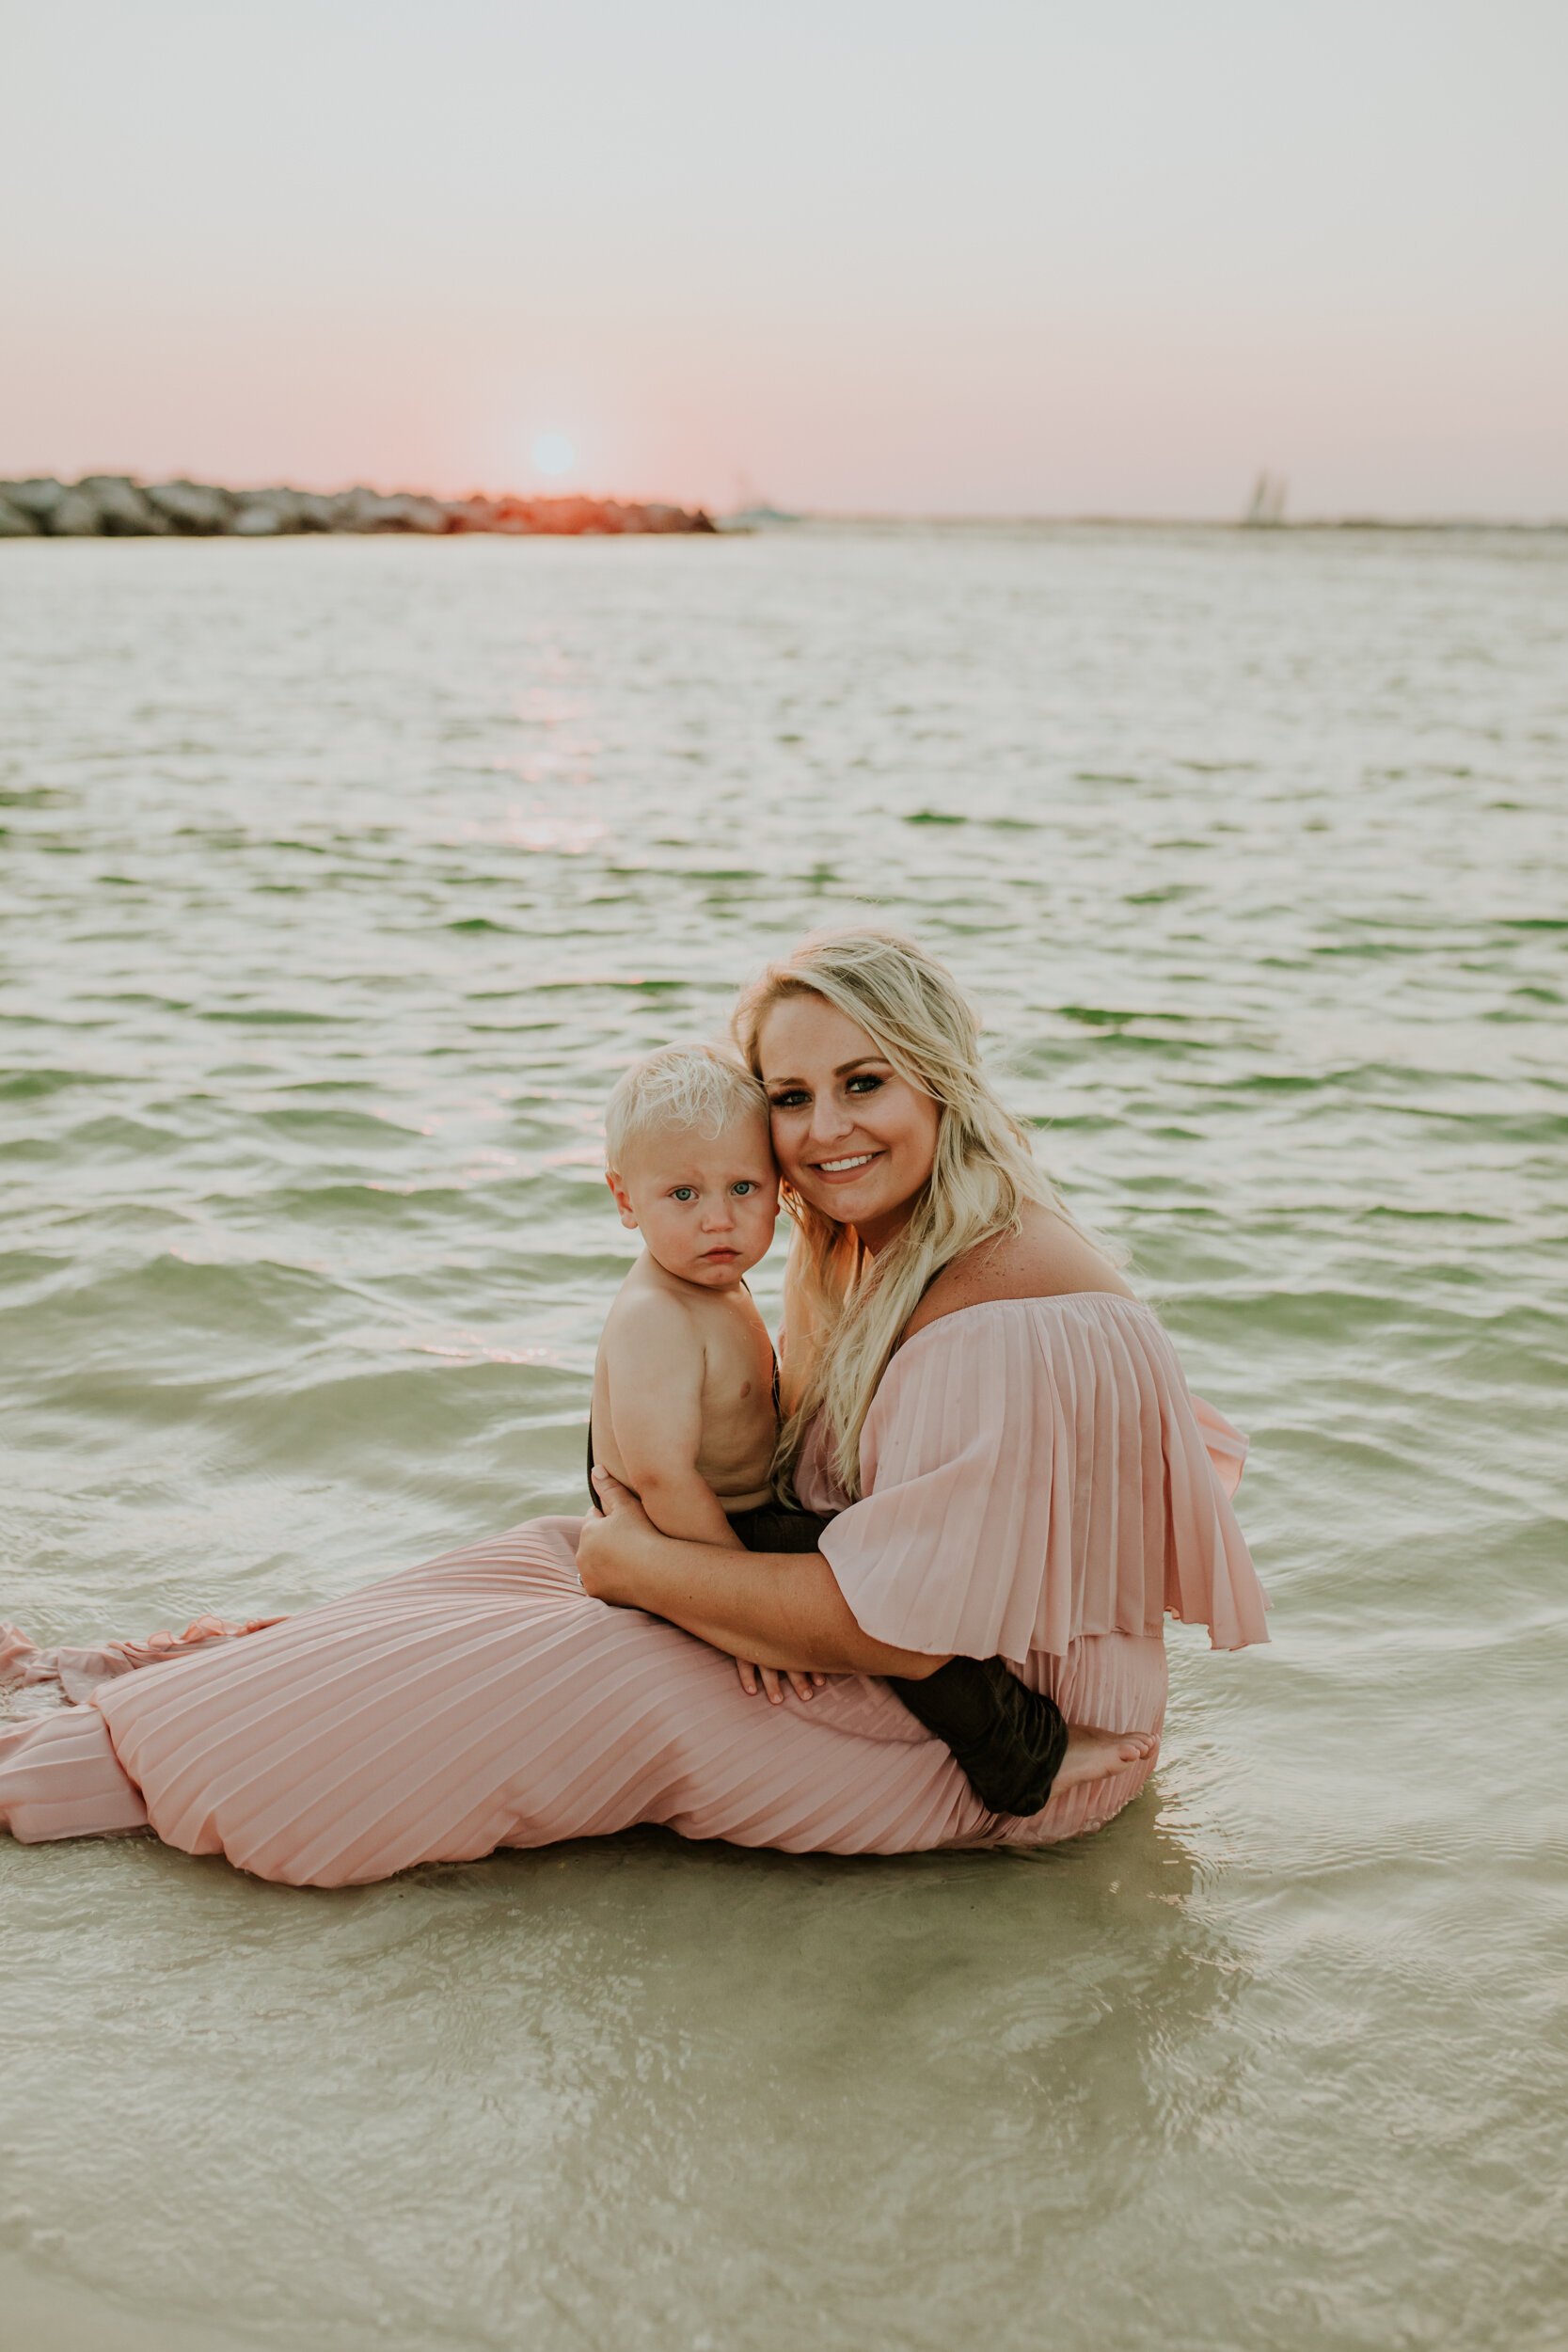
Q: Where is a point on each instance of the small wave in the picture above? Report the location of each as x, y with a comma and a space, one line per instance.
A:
30, 1086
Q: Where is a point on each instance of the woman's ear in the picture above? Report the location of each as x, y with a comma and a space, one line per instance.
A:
622, 1199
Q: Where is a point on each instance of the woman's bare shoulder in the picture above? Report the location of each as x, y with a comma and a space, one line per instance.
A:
1046, 1258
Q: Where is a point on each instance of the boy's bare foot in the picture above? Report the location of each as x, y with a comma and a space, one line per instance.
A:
1095, 1755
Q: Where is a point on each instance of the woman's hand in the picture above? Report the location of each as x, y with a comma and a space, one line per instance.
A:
804, 1685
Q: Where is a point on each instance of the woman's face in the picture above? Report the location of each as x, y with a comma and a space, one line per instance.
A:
855, 1140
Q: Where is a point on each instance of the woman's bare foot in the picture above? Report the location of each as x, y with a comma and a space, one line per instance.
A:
1095, 1755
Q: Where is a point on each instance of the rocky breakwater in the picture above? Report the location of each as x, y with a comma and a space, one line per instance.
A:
115, 507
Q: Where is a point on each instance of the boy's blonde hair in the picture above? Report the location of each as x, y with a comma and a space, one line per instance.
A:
678, 1087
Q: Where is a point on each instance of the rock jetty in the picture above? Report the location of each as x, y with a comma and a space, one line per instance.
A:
117, 506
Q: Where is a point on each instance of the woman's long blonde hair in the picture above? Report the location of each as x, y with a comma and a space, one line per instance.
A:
984, 1171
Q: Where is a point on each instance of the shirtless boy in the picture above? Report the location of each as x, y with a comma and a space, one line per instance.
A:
685, 1388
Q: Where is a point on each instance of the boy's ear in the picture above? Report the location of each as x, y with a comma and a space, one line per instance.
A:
622, 1199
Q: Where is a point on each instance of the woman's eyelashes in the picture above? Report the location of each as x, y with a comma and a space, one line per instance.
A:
864, 1082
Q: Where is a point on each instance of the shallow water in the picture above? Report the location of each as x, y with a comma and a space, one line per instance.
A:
339, 880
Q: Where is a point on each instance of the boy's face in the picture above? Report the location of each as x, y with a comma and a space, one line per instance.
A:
706, 1205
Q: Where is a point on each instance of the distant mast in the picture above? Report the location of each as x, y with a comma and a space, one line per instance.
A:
1266, 508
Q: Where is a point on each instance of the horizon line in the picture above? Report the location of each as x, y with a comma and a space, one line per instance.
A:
767, 515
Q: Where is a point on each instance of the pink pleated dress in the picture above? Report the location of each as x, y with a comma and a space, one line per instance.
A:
1039, 1484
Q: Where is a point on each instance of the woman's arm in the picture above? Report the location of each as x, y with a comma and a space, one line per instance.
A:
780, 1609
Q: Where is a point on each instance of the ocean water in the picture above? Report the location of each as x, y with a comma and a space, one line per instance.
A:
339, 880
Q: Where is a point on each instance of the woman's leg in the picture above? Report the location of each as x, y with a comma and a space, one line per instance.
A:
58, 1778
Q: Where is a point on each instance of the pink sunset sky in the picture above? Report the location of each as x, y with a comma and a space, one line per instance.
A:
933, 256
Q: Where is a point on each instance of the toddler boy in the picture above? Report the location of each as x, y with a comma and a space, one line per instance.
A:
685, 1386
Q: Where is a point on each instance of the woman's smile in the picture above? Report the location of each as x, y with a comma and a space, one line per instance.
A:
832, 1169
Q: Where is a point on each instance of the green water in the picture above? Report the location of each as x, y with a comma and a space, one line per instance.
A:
337, 882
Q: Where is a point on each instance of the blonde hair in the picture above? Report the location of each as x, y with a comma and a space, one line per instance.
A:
982, 1173
678, 1087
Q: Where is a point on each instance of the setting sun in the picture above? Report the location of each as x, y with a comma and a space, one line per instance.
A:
553, 453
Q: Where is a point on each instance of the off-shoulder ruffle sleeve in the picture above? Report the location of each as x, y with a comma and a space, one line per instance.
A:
1037, 1469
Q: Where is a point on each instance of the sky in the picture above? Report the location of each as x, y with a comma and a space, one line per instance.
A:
1001, 257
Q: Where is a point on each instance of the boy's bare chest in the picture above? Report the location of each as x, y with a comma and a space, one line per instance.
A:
738, 1372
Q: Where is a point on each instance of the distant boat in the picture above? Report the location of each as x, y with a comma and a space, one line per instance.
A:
752, 512
757, 518
1267, 504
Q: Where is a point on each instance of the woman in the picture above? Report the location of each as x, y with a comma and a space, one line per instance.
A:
1022, 1473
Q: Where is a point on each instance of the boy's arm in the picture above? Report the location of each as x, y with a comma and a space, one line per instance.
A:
654, 1358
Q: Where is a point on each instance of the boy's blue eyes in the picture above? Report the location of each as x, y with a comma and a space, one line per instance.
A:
688, 1192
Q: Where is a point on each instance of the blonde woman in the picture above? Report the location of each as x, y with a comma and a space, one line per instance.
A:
1016, 1464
